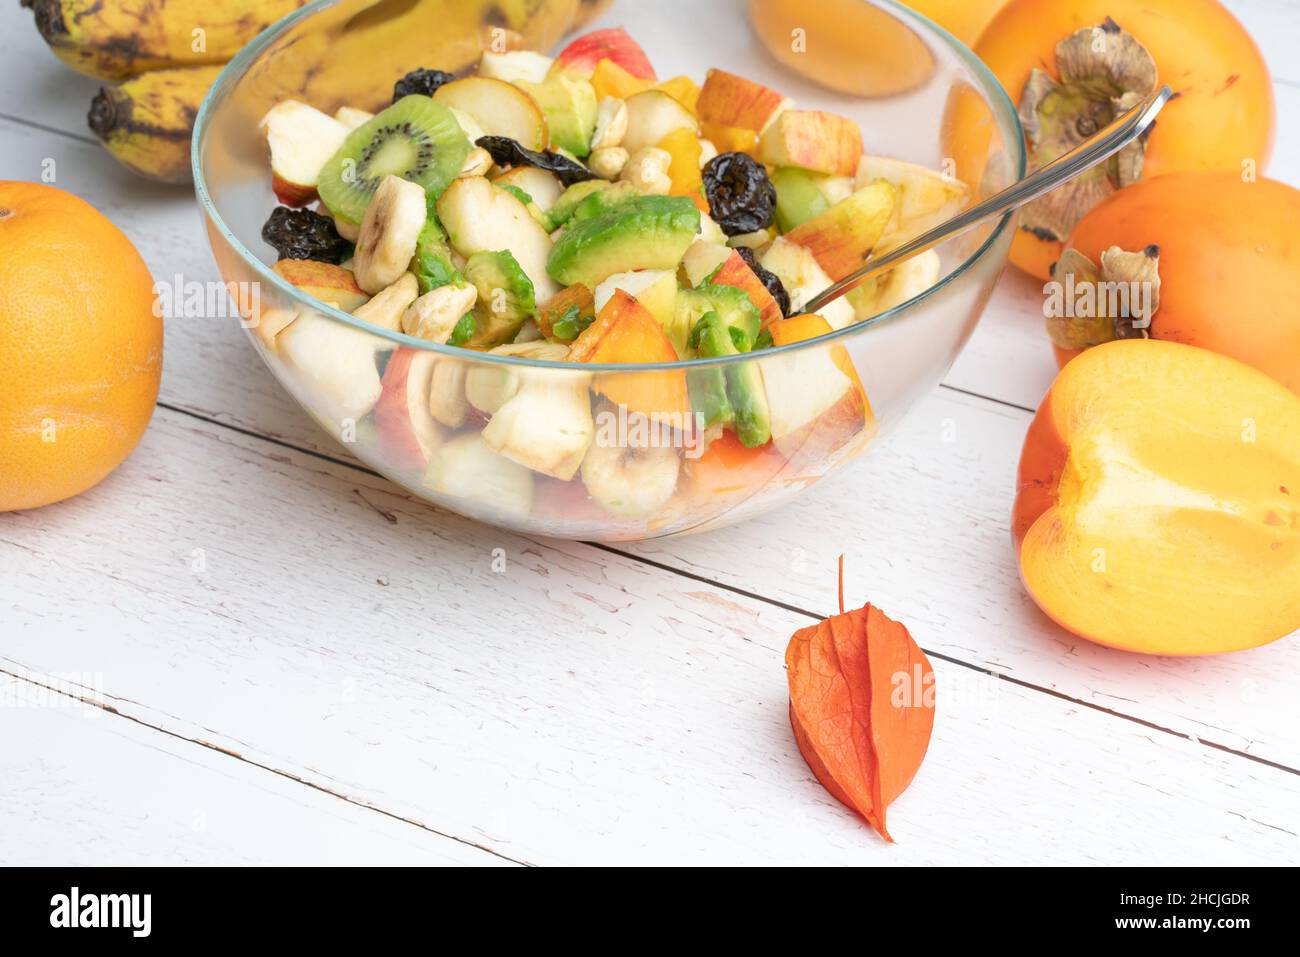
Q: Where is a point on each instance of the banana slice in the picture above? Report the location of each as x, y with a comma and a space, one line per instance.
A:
630, 481
908, 279
925, 197
389, 233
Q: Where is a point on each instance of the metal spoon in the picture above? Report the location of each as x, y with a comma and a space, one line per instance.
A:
1106, 143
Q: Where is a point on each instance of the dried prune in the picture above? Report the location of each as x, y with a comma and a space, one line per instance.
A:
305, 234
769, 279
420, 81
508, 152
741, 196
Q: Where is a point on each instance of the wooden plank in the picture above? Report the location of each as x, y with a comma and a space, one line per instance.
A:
574, 706
83, 787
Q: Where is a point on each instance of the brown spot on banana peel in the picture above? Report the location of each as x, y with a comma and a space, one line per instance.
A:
1104, 294
1103, 72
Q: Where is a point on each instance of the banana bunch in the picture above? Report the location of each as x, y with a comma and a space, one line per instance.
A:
161, 56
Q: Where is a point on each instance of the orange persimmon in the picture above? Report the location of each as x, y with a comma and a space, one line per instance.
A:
610, 79
728, 466
810, 326
1221, 119
729, 139
964, 19
682, 89
684, 171
1158, 501
1226, 257
624, 331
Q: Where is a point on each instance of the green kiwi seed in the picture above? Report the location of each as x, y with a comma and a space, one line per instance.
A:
415, 138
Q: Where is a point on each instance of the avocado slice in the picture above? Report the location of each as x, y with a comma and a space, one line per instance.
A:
797, 197
561, 210
708, 389
750, 416
432, 263
505, 298
736, 310
642, 232
570, 106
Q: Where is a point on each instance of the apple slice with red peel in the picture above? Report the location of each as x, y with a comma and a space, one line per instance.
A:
581, 56
651, 116
302, 139
500, 108
514, 65
329, 283
812, 139
843, 236
407, 430
730, 100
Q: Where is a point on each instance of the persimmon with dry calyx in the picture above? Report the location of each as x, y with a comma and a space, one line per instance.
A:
1158, 501
1074, 65
1215, 262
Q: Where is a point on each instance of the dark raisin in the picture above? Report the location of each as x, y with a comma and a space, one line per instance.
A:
420, 81
769, 279
508, 152
741, 197
305, 234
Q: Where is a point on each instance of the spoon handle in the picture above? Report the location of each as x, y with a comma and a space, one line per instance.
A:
1104, 144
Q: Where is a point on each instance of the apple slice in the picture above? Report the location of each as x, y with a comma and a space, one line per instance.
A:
651, 116
480, 217
581, 56
655, 289
335, 364
302, 139
844, 236
925, 197
327, 282
803, 278
407, 430
515, 65
812, 139
902, 283
465, 469
730, 100
499, 108
541, 185
815, 406
351, 117
546, 425
736, 272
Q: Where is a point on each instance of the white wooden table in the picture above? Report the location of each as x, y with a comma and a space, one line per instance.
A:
245, 647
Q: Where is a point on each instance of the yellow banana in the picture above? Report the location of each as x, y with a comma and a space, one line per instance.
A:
118, 39
146, 122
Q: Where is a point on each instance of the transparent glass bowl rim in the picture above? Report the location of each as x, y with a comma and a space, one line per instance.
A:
234, 71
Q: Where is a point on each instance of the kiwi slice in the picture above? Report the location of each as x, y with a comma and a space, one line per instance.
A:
415, 138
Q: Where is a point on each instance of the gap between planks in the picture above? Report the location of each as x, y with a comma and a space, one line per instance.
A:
795, 609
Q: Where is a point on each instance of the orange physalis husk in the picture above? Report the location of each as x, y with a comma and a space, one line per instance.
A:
861, 706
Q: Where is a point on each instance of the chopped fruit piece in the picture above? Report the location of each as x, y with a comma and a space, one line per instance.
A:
816, 406
500, 108
583, 55
302, 139
749, 415
844, 236
730, 100
626, 332
406, 428
335, 365
683, 145
389, 305
515, 65
740, 194
351, 117
1158, 502
902, 283
629, 480
546, 425
489, 387
481, 218
809, 326
683, 89
327, 282
436, 315
730, 139
811, 139
570, 107
542, 187
645, 232
803, 278
651, 116
925, 197
390, 230
466, 470
559, 306
655, 289
798, 197
506, 298
736, 272
728, 467
611, 80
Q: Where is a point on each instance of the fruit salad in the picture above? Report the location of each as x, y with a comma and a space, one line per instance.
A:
581, 211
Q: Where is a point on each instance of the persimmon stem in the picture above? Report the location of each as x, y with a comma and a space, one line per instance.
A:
841, 584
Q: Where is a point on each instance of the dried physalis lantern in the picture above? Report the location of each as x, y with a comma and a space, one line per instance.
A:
862, 706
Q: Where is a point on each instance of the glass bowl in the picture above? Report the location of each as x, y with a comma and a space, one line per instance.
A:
500, 438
